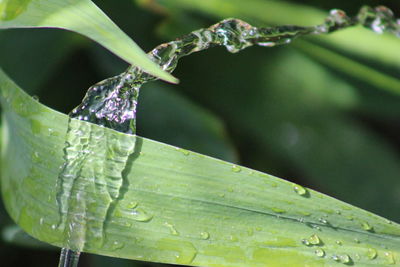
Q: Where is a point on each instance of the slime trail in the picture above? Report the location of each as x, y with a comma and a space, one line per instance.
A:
94, 162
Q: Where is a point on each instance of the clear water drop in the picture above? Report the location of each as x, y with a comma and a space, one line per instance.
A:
141, 215
305, 242
236, 168
320, 252
344, 258
323, 221
171, 228
314, 240
299, 190
132, 205
366, 226
389, 258
338, 242
335, 257
372, 253
204, 235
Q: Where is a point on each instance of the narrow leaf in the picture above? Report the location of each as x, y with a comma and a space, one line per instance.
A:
81, 16
178, 206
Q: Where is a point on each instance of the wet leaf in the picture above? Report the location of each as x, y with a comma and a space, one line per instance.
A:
199, 210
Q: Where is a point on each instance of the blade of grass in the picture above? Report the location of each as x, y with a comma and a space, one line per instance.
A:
349, 67
81, 16
182, 207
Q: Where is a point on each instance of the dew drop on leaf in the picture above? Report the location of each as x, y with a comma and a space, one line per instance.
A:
171, 228
299, 190
141, 215
236, 168
314, 240
389, 258
320, 252
344, 258
372, 253
366, 226
204, 235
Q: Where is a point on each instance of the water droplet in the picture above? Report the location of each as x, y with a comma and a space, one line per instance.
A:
320, 252
314, 240
335, 257
356, 240
305, 242
344, 258
35, 97
204, 235
366, 226
53, 226
141, 215
172, 228
132, 205
338, 242
236, 168
41, 221
389, 258
323, 221
372, 253
299, 190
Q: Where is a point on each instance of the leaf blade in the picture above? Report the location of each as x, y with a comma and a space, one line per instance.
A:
83, 17
203, 211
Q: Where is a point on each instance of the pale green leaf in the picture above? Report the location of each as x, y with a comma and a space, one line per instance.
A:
179, 206
81, 16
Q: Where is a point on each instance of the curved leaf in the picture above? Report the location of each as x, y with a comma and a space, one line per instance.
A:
178, 206
81, 16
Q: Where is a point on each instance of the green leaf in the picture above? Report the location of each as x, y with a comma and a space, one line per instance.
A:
81, 16
179, 206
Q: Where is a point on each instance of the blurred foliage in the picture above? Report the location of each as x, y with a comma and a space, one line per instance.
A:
288, 111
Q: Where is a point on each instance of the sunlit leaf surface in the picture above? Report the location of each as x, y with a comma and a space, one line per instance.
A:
178, 206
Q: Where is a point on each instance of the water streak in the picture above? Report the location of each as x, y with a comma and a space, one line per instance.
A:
95, 161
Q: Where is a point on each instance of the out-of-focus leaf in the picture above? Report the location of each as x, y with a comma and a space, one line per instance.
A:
180, 206
162, 112
13, 234
81, 16
33, 56
350, 67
